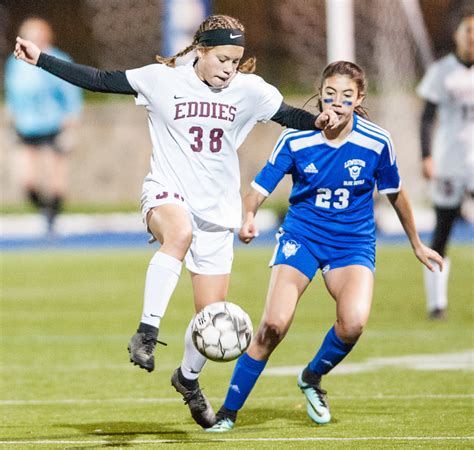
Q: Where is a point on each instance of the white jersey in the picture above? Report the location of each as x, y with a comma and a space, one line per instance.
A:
196, 131
450, 85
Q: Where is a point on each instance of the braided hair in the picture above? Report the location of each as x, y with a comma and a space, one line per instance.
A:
215, 22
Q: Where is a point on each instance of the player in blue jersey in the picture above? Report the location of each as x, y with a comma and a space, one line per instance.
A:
329, 226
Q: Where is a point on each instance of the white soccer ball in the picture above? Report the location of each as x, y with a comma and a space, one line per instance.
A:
222, 331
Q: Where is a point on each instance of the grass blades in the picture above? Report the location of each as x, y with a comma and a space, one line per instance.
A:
66, 382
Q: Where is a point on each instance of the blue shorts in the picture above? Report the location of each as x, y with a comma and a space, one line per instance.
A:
308, 256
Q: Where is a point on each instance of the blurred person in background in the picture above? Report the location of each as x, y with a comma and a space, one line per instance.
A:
448, 153
329, 226
43, 109
199, 114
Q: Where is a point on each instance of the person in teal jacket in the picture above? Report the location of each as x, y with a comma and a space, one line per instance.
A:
41, 107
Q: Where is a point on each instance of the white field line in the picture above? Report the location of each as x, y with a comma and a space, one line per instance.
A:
158, 400
463, 360
438, 361
81, 338
201, 441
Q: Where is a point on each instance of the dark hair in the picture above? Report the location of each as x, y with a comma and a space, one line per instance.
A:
354, 72
216, 22
463, 10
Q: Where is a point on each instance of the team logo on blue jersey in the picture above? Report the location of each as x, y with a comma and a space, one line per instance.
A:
354, 166
290, 248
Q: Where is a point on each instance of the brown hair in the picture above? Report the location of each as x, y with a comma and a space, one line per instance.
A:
354, 72
215, 22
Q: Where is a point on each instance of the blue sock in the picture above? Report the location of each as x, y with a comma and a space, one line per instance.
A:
332, 351
246, 373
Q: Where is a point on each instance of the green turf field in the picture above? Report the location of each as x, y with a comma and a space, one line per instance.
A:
66, 382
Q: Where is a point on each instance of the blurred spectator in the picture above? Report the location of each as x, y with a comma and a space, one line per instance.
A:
448, 161
43, 110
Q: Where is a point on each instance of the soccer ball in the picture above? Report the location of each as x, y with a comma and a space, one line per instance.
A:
222, 331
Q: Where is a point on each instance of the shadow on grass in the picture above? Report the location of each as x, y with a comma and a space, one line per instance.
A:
124, 433
263, 417
250, 420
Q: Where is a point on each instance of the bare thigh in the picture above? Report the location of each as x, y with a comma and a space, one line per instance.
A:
209, 289
287, 285
171, 226
57, 164
352, 289
30, 160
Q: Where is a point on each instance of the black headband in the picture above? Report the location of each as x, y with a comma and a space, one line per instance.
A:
222, 36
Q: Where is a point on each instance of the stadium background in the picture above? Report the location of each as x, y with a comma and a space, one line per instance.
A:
66, 313
112, 147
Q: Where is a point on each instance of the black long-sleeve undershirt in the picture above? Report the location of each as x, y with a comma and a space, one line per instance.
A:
90, 78
426, 128
115, 82
299, 119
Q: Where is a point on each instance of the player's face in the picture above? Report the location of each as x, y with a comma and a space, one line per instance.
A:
464, 38
340, 93
37, 31
217, 66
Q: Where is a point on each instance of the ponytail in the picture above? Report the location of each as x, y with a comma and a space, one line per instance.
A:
171, 60
216, 22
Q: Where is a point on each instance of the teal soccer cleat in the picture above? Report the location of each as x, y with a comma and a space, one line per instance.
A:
221, 426
317, 406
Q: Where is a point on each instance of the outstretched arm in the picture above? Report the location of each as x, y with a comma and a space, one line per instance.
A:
85, 77
426, 255
252, 203
299, 119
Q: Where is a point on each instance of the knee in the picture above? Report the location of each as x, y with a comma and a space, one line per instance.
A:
270, 334
349, 331
176, 239
181, 237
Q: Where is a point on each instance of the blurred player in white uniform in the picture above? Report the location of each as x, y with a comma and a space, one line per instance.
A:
448, 159
198, 114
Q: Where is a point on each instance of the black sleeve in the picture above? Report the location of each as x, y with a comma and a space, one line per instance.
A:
297, 118
87, 77
427, 122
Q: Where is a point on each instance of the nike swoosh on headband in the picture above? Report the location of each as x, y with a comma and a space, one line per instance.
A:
234, 36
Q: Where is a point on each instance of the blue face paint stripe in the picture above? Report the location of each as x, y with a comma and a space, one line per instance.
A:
347, 103
328, 100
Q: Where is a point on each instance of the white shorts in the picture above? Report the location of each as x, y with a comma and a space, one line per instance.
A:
449, 192
157, 194
212, 247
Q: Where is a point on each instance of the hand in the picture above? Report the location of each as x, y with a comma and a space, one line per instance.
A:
327, 120
26, 51
248, 231
427, 167
429, 257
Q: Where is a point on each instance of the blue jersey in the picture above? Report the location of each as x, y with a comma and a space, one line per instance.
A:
38, 101
332, 197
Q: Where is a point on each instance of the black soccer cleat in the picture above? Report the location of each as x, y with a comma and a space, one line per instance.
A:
142, 346
438, 314
201, 409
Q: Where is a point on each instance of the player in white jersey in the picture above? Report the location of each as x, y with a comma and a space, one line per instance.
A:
329, 226
198, 116
448, 161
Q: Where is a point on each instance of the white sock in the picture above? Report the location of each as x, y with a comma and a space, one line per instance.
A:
193, 361
436, 286
161, 279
